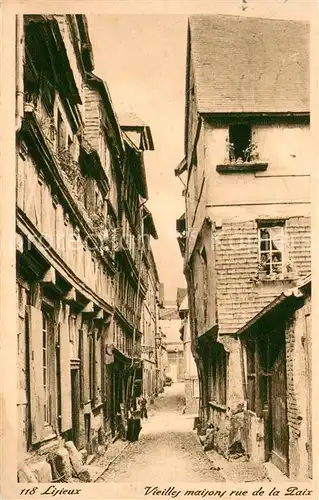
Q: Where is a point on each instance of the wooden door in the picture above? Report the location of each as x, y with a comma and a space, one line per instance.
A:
279, 423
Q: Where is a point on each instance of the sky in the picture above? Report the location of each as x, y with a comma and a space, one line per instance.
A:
142, 58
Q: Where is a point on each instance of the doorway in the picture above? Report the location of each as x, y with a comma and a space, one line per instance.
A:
273, 398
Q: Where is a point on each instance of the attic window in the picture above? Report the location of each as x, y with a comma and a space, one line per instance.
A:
240, 139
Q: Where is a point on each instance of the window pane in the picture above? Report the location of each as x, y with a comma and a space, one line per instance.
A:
276, 257
265, 245
265, 234
271, 248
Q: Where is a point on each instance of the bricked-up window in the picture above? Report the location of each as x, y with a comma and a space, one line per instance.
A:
239, 138
271, 248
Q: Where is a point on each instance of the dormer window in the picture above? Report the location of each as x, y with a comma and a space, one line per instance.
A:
239, 141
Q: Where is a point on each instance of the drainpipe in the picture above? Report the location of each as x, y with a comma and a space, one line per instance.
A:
19, 71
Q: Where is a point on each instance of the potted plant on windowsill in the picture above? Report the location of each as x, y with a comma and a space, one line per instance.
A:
248, 161
250, 153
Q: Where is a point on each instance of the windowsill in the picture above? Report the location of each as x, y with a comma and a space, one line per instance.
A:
247, 166
271, 278
218, 406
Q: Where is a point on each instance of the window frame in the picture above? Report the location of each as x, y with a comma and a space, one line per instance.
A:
271, 224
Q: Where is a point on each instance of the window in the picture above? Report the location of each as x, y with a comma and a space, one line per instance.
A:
239, 141
271, 247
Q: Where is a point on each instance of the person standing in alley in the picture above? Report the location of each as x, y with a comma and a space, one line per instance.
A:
143, 406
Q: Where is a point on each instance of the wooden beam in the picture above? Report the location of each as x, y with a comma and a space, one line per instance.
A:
49, 276
89, 308
70, 296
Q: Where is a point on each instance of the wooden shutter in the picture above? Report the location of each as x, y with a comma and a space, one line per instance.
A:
36, 374
66, 396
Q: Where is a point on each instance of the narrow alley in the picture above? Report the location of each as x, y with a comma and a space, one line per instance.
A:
167, 447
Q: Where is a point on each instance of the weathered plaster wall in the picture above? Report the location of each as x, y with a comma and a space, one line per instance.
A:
286, 148
196, 196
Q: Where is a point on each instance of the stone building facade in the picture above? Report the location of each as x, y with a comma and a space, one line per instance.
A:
245, 235
81, 283
151, 363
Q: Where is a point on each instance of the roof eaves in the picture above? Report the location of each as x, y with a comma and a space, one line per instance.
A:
293, 295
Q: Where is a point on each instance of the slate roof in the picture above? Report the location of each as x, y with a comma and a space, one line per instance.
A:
253, 65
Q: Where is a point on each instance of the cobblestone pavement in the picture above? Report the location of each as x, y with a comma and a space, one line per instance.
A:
167, 448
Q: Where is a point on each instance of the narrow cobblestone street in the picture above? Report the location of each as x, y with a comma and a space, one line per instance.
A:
167, 448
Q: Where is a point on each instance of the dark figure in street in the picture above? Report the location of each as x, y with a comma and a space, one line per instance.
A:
134, 423
143, 406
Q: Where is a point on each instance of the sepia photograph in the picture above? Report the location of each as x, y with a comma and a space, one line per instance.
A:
163, 249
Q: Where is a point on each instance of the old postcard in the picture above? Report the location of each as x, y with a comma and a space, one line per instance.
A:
158, 194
